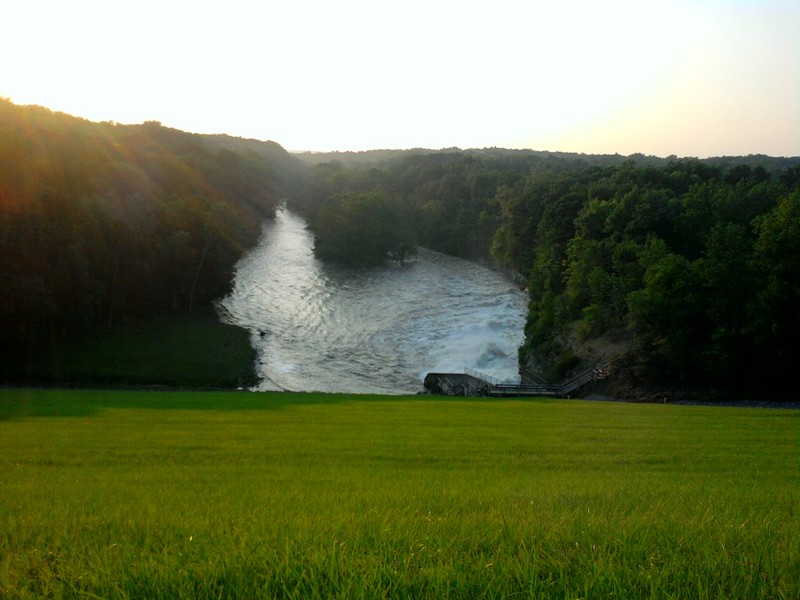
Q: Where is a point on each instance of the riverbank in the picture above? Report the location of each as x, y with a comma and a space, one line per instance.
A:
194, 351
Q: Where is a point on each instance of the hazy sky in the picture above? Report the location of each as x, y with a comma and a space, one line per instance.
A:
687, 77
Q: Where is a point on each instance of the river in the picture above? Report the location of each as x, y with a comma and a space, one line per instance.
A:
320, 327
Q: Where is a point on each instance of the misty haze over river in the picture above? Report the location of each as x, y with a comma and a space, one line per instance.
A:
320, 327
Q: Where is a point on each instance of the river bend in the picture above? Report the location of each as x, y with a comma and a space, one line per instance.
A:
319, 327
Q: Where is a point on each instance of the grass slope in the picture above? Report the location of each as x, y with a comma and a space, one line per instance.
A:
211, 494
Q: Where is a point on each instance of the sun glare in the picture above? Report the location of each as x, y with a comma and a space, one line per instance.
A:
585, 76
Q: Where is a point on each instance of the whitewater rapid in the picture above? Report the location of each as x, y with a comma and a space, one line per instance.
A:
319, 327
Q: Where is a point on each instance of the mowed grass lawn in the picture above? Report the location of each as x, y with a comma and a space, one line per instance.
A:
242, 495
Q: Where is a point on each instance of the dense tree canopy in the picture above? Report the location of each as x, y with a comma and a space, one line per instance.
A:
694, 264
102, 222
675, 257
362, 229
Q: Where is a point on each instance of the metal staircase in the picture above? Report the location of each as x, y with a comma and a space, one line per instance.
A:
474, 383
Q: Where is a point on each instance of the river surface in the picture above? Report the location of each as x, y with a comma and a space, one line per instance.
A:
319, 327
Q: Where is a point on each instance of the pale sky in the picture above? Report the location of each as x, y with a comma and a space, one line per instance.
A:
686, 77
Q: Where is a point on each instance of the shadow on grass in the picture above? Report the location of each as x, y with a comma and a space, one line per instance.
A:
24, 403
194, 351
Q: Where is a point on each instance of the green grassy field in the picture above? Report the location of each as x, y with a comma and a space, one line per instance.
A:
243, 495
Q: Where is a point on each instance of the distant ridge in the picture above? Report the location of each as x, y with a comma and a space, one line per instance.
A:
376, 157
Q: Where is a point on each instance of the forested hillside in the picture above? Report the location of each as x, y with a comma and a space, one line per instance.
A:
686, 272
100, 223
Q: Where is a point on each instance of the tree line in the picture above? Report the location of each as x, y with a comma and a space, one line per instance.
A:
102, 223
693, 264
